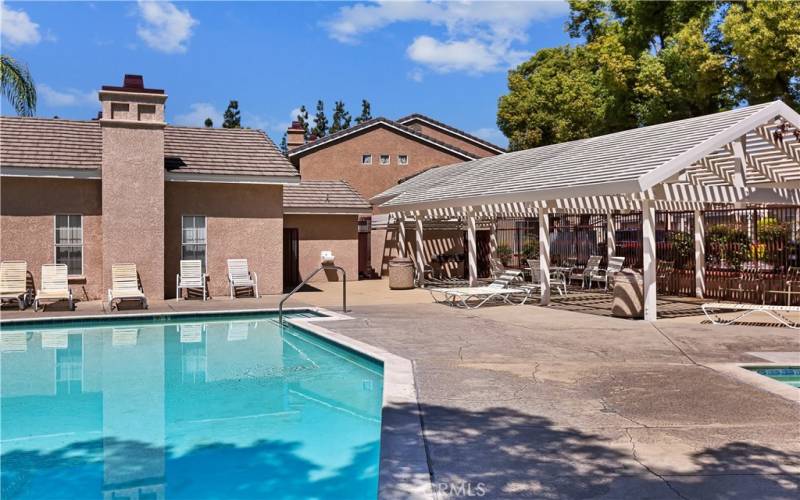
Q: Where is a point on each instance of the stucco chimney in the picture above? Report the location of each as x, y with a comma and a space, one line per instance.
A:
295, 136
132, 125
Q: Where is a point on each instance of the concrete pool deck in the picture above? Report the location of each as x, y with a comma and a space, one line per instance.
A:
549, 403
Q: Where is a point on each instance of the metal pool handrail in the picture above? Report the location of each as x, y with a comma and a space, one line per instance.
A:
305, 281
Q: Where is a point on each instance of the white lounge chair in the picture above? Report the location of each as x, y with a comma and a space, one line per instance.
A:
14, 282
191, 276
239, 276
592, 265
606, 275
500, 289
125, 285
713, 310
55, 285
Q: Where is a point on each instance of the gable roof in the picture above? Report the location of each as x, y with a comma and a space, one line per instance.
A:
323, 197
373, 123
55, 144
630, 161
450, 129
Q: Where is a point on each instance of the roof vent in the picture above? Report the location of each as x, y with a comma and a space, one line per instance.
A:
133, 82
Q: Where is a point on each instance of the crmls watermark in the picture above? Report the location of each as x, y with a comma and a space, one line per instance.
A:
462, 489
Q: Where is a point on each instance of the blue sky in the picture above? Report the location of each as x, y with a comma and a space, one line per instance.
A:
447, 60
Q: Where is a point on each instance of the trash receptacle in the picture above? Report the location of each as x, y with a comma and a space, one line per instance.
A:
628, 295
401, 273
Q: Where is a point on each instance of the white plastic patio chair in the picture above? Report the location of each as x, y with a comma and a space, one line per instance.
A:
191, 276
125, 285
606, 276
592, 265
55, 285
240, 276
557, 278
14, 282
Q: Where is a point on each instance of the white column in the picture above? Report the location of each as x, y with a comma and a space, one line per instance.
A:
420, 251
544, 255
472, 247
649, 251
401, 235
699, 254
611, 236
493, 239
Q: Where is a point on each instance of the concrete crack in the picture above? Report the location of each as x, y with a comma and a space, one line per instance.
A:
648, 469
533, 374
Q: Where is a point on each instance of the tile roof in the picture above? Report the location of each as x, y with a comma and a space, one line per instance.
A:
51, 143
323, 195
224, 151
379, 121
437, 123
55, 143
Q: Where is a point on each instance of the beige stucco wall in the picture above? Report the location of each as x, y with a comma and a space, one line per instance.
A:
27, 226
337, 233
453, 139
242, 221
133, 201
342, 160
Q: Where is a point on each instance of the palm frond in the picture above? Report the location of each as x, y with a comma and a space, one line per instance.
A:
18, 86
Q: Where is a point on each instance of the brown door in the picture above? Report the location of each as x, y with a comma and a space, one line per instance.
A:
364, 257
291, 258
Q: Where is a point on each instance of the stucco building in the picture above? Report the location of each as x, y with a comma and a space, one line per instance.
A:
128, 187
375, 155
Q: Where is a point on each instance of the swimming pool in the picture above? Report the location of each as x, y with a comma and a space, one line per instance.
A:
786, 374
195, 407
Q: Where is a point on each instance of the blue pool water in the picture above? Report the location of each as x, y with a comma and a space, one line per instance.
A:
787, 374
201, 407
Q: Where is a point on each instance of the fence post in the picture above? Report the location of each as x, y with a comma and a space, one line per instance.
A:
699, 254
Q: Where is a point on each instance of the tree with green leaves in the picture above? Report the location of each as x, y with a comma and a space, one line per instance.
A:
18, 86
366, 113
232, 118
320, 121
284, 145
341, 118
649, 62
302, 118
208, 123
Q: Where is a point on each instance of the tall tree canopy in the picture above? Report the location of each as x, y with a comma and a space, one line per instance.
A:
231, 118
18, 87
366, 112
643, 63
302, 117
320, 121
341, 118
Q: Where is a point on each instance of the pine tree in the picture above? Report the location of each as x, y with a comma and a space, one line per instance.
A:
284, 146
341, 118
321, 121
366, 113
232, 118
209, 123
302, 117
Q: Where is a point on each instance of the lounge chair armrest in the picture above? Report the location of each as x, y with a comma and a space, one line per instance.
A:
254, 276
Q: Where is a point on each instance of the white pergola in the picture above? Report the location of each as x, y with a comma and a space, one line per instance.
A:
750, 155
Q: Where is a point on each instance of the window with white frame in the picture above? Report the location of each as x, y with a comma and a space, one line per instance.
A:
366, 159
69, 242
193, 239
402, 159
384, 159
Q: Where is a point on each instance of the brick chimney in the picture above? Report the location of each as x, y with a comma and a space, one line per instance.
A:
132, 125
295, 136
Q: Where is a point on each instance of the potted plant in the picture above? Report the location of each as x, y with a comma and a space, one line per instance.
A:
504, 254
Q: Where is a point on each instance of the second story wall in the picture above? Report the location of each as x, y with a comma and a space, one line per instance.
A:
342, 160
452, 138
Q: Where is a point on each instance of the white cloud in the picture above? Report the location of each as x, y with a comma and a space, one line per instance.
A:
416, 75
165, 27
17, 28
65, 98
479, 35
197, 115
492, 135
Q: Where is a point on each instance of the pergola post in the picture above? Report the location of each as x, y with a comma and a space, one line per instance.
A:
472, 246
699, 254
401, 235
649, 252
611, 235
544, 256
493, 239
420, 254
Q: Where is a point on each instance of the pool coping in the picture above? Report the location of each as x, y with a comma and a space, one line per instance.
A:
741, 373
404, 470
